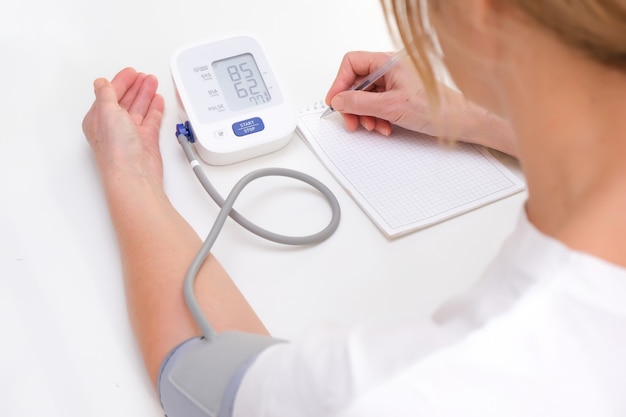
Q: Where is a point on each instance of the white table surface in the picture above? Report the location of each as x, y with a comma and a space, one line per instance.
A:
66, 346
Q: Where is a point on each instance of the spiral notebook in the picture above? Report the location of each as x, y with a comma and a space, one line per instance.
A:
409, 180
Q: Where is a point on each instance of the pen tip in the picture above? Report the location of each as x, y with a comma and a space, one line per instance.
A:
327, 112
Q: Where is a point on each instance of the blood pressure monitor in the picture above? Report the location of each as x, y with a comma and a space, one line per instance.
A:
232, 99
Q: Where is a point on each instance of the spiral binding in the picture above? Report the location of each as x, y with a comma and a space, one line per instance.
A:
316, 106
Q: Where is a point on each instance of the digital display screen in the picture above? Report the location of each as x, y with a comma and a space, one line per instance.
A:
241, 82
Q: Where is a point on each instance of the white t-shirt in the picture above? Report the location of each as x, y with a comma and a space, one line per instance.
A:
544, 334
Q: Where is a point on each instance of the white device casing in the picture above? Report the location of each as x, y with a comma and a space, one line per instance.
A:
212, 122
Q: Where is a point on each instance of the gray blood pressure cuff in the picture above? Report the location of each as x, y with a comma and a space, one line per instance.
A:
201, 378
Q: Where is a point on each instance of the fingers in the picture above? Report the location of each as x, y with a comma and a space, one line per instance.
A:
359, 108
383, 127
106, 98
353, 122
154, 114
363, 103
136, 93
354, 66
138, 108
374, 124
123, 81
368, 122
132, 91
104, 91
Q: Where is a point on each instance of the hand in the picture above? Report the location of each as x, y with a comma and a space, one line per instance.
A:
123, 125
398, 98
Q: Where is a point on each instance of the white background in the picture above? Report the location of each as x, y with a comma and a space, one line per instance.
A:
66, 348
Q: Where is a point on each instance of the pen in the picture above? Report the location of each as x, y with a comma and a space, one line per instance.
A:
373, 77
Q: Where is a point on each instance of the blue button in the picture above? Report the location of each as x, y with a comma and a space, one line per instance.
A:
248, 126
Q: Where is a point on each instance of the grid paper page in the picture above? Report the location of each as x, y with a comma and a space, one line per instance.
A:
409, 180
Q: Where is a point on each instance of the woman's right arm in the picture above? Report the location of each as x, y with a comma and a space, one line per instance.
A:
398, 98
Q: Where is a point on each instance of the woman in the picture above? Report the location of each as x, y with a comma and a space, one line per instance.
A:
543, 334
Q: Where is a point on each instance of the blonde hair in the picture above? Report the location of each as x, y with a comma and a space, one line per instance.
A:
408, 21
597, 27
